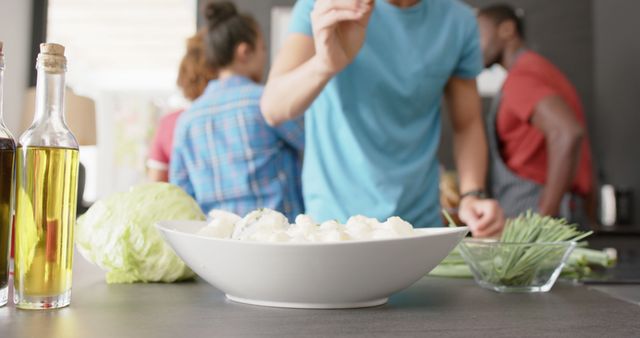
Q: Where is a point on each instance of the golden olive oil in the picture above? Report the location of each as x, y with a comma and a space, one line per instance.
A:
45, 219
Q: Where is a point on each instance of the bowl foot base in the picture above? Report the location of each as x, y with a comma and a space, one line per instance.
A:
295, 305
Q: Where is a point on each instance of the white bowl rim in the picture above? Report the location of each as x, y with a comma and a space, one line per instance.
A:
162, 225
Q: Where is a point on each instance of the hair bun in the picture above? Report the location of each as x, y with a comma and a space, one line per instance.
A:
219, 11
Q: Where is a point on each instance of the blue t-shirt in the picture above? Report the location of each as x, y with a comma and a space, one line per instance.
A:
373, 132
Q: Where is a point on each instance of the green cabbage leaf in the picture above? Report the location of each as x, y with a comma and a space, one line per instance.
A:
118, 234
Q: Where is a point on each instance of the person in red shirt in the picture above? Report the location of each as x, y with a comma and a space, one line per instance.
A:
541, 149
193, 76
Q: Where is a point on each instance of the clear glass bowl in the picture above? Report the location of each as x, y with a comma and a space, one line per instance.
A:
515, 267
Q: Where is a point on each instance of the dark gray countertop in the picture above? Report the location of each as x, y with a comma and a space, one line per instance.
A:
433, 306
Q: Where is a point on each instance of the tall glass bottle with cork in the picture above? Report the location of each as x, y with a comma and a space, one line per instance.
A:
46, 193
7, 174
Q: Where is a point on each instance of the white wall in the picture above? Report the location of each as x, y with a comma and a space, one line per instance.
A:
15, 32
280, 18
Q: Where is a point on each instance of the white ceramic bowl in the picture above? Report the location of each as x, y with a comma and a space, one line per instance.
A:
310, 275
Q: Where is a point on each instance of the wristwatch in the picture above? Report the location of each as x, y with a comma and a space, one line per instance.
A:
478, 193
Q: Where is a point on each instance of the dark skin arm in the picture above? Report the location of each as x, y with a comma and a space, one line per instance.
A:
564, 135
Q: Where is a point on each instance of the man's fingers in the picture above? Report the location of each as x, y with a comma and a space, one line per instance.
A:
329, 12
468, 217
494, 228
325, 6
485, 215
334, 17
483, 223
473, 222
484, 218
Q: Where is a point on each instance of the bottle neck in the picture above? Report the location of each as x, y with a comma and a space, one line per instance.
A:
5, 133
49, 97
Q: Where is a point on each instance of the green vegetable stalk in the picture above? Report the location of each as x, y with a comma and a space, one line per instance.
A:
578, 265
584, 256
516, 265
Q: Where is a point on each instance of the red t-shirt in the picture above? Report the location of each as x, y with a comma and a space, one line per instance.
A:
161, 146
523, 147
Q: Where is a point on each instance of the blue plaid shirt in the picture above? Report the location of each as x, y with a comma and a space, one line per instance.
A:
227, 157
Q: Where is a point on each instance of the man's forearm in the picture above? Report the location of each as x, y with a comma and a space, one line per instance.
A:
288, 95
469, 140
470, 148
563, 151
483, 216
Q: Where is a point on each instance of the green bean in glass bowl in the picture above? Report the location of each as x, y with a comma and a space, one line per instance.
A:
528, 257
515, 267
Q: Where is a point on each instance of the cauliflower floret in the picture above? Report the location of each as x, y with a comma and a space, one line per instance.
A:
221, 225
224, 215
331, 225
302, 228
361, 227
383, 234
398, 226
258, 223
280, 236
217, 228
298, 238
270, 236
305, 221
266, 225
329, 231
336, 235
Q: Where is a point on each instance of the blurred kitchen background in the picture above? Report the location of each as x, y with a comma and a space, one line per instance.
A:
124, 55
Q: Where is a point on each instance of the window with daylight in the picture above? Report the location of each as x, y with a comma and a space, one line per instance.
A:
124, 55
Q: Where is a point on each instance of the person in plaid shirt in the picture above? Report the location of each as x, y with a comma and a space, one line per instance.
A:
225, 155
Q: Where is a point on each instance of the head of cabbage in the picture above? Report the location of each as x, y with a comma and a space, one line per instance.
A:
118, 233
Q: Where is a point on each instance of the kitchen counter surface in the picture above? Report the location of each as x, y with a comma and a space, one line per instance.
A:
432, 306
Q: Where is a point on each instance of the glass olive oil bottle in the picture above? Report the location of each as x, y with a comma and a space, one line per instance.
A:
46, 193
7, 174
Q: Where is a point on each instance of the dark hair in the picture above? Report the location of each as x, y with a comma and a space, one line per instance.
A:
226, 29
195, 71
500, 13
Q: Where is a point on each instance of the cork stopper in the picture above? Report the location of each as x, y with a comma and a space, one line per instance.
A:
51, 58
52, 49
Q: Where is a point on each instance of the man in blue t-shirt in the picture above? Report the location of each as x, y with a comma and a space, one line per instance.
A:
369, 79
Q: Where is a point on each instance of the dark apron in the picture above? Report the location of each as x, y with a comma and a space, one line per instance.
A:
514, 193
